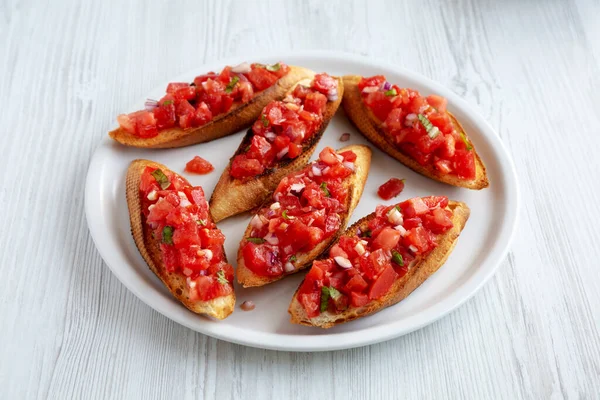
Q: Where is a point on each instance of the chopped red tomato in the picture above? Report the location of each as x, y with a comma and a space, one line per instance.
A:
192, 105
199, 165
364, 268
190, 243
392, 188
419, 127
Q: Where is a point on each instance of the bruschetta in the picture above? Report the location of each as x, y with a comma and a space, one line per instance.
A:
281, 140
173, 231
307, 212
418, 131
213, 106
379, 261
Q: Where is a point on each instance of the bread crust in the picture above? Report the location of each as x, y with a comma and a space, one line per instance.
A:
355, 183
149, 248
417, 274
233, 196
369, 126
241, 116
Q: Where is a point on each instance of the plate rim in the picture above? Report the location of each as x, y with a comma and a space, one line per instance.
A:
343, 340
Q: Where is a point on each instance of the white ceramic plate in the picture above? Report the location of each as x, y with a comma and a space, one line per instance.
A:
481, 247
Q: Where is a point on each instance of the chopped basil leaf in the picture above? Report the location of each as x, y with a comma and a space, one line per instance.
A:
201, 222
167, 102
232, 84
397, 258
324, 189
465, 141
246, 149
293, 258
284, 214
326, 294
255, 240
264, 120
390, 93
161, 178
221, 277
274, 67
426, 122
167, 235
367, 233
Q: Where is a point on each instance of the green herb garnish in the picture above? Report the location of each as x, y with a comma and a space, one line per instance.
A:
232, 84
246, 149
167, 102
255, 240
391, 92
264, 120
284, 214
367, 233
221, 277
274, 67
397, 258
324, 189
432, 131
465, 141
161, 178
326, 294
201, 222
167, 235
293, 258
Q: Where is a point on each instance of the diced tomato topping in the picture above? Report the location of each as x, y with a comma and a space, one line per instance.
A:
190, 243
419, 127
392, 188
199, 165
284, 125
193, 105
364, 268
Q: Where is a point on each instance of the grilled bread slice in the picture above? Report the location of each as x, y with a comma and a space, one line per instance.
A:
370, 126
233, 196
355, 184
239, 117
149, 248
421, 269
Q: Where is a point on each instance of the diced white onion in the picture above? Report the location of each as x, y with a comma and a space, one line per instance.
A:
339, 157
360, 249
288, 267
271, 239
270, 136
400, 229
275, 206
349, 165
292, 106
289, 99
151, 206
242, 68
370, 89
364, 242
152, 195
256, 222
208, 254
288, 249
326, 170
316, 171
433, 132
297, 187
191, 283
184, 203
395, 217
413, 248
411, 117
310, 222
343, 262
282, 153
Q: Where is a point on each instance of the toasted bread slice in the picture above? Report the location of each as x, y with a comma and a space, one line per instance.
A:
370, 126
422, 269
148, 247
233, 196
239, 117
355, 184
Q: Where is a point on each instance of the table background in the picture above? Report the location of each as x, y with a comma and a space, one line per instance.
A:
69, 328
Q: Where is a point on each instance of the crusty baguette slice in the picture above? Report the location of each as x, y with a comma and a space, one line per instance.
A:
219, 307
241, 116
355, 183
422, 269
233, 196
369, 125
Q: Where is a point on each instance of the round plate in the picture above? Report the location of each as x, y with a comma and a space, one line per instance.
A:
481, 247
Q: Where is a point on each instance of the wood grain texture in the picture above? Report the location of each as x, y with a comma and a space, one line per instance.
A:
69, 329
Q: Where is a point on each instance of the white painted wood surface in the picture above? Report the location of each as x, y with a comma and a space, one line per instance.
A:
70, 329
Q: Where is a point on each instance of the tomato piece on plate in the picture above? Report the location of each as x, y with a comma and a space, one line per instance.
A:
199, 165
392, 188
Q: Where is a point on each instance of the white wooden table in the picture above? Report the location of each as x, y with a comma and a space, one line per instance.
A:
69, 328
